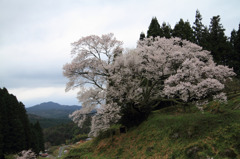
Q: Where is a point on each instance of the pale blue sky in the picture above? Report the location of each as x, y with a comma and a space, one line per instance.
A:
35, 35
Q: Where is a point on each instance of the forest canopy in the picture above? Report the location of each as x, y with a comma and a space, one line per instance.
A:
16, 132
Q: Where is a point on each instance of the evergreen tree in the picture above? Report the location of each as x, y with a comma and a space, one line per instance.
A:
218, 44
233, 38
39, 136
142, 36
15, 133
198, 29
34, 139
235, 43
167, 30
26, 126
15, 137
2, 123
154, 29
205, 37
183, 30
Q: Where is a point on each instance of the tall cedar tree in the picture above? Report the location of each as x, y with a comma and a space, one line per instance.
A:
25, 123
37, 139
167, 30
154, 29
40, 136
183, 30
218, 44
235, 43
34, 139
198, 28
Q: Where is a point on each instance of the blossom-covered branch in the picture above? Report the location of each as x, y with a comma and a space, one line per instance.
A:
89, 71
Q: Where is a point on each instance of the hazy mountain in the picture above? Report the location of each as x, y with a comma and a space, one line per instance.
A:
52, 110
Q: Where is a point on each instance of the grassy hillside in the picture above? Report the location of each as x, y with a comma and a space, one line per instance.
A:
172, 133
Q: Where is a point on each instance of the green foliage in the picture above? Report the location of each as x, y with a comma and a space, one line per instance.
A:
232, 86
198, 29
77, 138
15, 130
109, 133
47, 122
142, 36
218, 45
183, 30
154, 29
167, 30
66, 132
235, 43
11, 156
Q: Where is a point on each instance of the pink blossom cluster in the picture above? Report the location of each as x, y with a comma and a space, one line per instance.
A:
27, 154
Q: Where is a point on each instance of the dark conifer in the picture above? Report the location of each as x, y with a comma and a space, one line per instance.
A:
39, 136
2, 123
183, 30
25, 123
154, 29
205, 37
15, 133
233, 38
34, 139
198, 29
167, 30
235, 43
142, 36
218, 44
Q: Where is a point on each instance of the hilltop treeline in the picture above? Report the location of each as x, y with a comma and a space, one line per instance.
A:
225, 50
16, 132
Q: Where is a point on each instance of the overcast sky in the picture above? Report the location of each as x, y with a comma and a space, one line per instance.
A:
35, 36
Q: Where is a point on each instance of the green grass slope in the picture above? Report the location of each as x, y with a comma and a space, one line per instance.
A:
171, 134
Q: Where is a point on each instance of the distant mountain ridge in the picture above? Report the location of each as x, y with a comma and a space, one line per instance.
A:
52, 110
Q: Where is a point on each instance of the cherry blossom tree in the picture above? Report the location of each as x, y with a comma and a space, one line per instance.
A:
89, 71
163, 69
127, 87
